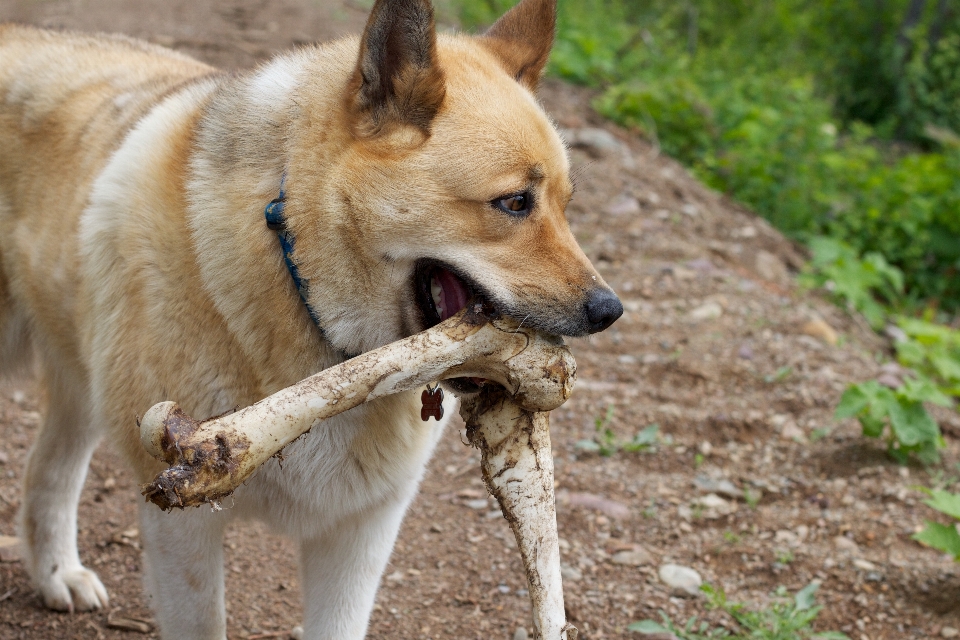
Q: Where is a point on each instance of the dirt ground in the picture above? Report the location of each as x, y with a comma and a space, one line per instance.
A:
717, 346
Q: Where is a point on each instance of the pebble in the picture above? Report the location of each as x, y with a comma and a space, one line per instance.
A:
844, 543
821, 330
949, 632
721, 487
595, 139
680, 578
889, 380
708, 507
3, 457
296, 633
708, 311
624, 206
477, 504
864, 565
570, 573
610, 508
770, 268
634, 558
520, 634
8, 549
791, 431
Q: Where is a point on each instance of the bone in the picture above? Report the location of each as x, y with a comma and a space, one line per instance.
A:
517, 467
209, 459
508, 422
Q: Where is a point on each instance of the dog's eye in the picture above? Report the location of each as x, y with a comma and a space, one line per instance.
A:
517, 204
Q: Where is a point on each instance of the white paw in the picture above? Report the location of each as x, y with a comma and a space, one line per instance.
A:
76, 589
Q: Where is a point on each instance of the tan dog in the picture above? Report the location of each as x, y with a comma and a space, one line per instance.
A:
418, 170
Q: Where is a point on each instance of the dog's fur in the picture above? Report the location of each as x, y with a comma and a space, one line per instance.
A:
137, 267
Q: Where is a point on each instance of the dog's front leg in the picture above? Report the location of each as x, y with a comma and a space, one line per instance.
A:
184, 571
341, 571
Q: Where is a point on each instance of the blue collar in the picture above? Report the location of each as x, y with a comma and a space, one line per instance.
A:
276, 222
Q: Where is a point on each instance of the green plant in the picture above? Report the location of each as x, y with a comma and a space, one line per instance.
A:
898, 413
933, 350
784, 556
785, 619
940, 536
606, 443
857, 283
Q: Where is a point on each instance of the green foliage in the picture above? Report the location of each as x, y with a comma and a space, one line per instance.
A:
898, 416
606, 443
854, 282
939, 536
784, 105
785, 619
933, 350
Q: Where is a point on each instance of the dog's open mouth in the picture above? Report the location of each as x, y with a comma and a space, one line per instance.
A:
440, 294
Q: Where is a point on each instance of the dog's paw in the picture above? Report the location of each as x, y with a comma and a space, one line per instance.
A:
76, 589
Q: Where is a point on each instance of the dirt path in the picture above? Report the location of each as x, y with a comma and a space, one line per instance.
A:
714, 348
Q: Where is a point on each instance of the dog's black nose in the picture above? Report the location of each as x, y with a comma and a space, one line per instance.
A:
603, 309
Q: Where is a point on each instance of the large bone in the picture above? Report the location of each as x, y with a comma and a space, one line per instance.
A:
517, 467
508, 423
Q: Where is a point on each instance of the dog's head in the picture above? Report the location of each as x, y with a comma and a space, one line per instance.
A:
451, 182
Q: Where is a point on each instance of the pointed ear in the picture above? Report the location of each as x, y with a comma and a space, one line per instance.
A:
522, 39
397, 80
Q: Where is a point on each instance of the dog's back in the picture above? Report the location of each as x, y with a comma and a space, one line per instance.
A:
66, 101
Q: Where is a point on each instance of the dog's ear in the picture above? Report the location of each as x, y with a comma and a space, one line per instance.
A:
522, 39
397, 80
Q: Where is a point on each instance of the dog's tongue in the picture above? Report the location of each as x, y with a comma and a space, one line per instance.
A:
453, 294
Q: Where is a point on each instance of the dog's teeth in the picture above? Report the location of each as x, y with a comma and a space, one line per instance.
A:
435, 291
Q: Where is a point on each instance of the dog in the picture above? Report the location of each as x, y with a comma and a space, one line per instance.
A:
169, 231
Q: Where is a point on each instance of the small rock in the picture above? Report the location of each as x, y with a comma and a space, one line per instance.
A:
624, 206
844, 543
396, 576
949, 632
791, 431
296, 633
721, 487
787, 537
19, 397
520, 634
606, 506
821, 330
889, 380
770, 268
703, 265
3, 457
680, 578
634, 558
745, 352
708, 311
570, 573
864, 565
595, 139
895, 333
8, 549
746, 232
477, 504
110, 483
